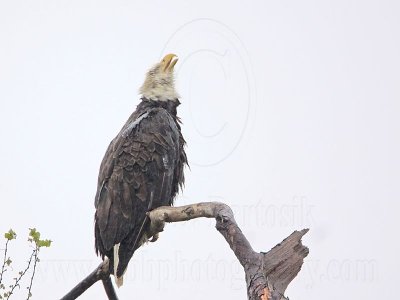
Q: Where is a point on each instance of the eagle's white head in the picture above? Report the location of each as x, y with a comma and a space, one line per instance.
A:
159, 83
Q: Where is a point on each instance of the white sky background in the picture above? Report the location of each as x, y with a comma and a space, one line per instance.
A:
291, 115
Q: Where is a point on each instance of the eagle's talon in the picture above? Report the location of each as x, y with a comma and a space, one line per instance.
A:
154, 238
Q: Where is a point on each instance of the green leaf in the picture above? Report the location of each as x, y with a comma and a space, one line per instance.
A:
34, 234
44, 243
8, 262
10, 235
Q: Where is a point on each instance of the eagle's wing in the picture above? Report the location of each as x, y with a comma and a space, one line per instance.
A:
136, 175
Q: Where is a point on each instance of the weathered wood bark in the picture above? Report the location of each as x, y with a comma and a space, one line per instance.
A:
267, 274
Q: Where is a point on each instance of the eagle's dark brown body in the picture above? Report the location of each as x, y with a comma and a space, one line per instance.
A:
141, 170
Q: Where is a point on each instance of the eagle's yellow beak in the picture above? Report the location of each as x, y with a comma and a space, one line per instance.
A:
168, 62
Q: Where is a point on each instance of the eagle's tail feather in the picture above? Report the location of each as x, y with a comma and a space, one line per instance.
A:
118, 280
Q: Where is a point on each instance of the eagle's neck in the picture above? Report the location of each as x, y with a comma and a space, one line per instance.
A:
159, 87
169, 105
159, 92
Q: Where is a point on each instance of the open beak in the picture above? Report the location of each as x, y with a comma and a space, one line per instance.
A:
168, 62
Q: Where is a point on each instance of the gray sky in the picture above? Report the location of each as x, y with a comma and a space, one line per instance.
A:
291, 115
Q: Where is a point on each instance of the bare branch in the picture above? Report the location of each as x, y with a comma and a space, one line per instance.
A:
100, 273
267, 274
21, 274
109, 288
3, 267
36, 259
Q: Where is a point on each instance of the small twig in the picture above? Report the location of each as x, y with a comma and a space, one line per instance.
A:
4, 262
21, 274
33, 273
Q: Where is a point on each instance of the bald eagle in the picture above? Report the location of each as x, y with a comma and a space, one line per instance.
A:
141, 170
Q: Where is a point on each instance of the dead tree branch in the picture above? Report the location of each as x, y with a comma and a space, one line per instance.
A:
267, 274
100, 273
